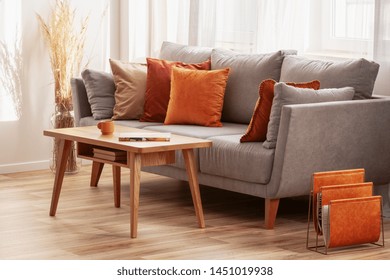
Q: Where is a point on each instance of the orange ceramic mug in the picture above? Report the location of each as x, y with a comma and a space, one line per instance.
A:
106, 127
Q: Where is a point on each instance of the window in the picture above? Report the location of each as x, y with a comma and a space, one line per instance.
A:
353, 19
234, 24
347, 27
10, 61
383, 26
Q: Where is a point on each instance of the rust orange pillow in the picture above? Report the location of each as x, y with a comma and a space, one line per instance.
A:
158, 86
197, 97
257, 129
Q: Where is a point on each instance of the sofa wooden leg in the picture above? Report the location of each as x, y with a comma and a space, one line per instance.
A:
271, 209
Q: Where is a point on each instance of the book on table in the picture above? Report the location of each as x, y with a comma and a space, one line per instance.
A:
110, 154
144, 136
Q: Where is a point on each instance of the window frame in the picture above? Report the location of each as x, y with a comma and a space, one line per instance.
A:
343, 46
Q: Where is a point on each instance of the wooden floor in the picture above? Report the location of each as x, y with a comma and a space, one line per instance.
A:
88, 226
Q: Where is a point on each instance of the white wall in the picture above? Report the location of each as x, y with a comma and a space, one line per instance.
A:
22, 144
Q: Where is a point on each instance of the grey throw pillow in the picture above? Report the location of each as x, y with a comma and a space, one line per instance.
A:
358, 73
100, 89
247, 71
183, 53
287, 95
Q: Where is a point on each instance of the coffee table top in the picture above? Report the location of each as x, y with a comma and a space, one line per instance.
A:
92, 135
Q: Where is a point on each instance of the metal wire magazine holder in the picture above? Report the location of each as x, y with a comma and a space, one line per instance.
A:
343, 211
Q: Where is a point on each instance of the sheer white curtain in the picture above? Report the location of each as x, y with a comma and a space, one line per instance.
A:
382, 34
363, 27
382, 45
332, 28
228, 23
242, 25
283, 25
154, 21
10, 61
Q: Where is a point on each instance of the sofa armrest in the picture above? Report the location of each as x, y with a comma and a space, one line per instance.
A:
81, 106
377, 96
330, 136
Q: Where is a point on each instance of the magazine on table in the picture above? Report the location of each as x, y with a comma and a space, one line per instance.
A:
144, 136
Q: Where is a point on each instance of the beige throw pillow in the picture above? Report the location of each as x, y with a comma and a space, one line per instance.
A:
130, 84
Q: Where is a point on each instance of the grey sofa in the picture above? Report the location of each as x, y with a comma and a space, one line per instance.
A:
311, 137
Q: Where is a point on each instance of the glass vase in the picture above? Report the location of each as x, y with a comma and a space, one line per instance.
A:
63, 118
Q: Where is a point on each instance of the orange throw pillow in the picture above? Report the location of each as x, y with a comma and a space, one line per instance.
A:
257, 129
158, 86
197, 97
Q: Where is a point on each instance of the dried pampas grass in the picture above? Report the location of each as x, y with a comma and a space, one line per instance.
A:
10, 74
66, 48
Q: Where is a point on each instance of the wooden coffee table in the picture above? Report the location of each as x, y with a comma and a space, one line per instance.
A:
138, 154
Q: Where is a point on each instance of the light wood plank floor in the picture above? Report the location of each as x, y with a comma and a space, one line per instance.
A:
88, 226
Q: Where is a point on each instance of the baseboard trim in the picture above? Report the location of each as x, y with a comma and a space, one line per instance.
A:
24, 166
31, 166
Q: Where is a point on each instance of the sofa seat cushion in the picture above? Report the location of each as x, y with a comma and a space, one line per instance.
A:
86, 121
199, 132
249, 162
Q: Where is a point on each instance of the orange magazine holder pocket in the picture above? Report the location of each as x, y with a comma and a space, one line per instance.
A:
329, 178
354, 221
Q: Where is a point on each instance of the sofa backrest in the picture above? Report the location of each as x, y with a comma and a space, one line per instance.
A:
81, 106
357, 73
247, 71
187, 54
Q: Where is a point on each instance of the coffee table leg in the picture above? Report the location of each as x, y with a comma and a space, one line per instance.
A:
116, 175
97, 168
63, 152
135, 176
194, 185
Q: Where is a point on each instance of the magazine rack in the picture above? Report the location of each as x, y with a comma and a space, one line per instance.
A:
344, 211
